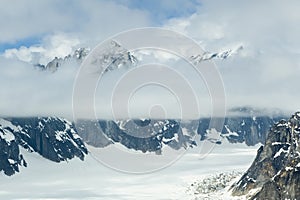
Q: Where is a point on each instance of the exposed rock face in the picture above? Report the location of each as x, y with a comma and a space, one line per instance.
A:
245, 124
275, 172
146, 135
10, 157
217, 55
151, 135
78, 55
92, 133
113, 57
53, 138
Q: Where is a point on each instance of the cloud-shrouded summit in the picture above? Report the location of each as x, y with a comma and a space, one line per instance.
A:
262, 71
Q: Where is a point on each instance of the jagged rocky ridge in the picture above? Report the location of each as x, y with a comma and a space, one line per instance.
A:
219, 55
53, 138
239, 129
114, 56
117, 57
275, 172
144, 135
244, 124
149, 135
78, 55
57, 139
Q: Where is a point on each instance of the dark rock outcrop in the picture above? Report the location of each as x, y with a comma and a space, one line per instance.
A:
244, 124
53, 138
10, 156
275, 172
92, 134
248, 125
135, 134
146, 135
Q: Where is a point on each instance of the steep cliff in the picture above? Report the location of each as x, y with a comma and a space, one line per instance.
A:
275, 172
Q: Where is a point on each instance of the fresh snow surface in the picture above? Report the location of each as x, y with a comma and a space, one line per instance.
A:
7, 135
279, 152
4, 123
43, 179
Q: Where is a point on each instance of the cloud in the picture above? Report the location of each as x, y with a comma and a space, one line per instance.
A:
266, 72
26, 91
58, 45
58, 28
160, 11
97, 19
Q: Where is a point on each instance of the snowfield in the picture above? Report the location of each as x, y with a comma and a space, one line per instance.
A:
43, 179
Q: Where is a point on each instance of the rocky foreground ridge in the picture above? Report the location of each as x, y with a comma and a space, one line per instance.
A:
275, 172
52, 137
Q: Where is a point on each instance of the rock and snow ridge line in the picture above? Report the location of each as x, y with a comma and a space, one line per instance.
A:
53, 138
57, 139
222, 55
116, 53
275, 172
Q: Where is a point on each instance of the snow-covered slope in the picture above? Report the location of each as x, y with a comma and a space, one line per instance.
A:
91, 180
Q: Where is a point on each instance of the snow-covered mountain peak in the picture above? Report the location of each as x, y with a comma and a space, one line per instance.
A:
224, 54
78, 55
112, 56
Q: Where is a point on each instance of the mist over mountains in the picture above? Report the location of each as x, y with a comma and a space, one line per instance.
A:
59, 140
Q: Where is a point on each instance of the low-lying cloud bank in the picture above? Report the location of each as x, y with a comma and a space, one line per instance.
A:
264, 74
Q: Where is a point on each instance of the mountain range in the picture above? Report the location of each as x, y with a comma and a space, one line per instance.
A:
58, 139
274, 174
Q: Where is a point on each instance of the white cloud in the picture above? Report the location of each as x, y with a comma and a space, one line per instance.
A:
60, 26
267, 70
91, 18
26, 91
265, 73
58, 45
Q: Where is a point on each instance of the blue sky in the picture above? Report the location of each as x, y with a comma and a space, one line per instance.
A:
157, 11
160, 11
22, 42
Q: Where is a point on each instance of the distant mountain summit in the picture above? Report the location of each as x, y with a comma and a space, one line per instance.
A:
116, 56
244, 124
113, 57
78, 55
275, 172
147, 135
247, 125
